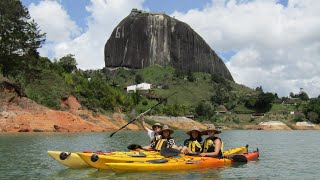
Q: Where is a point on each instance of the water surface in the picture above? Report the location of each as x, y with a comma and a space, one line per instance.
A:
283, 155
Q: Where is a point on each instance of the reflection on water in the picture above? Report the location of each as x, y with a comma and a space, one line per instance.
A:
283, 155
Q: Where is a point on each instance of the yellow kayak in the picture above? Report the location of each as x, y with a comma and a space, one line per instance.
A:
99, 161
73, 160
237, 150
69, 159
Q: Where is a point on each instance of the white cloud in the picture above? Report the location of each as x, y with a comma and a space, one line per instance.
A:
54, 20
276, 47
64, 36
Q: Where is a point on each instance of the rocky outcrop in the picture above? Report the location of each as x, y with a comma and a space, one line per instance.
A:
144, 39
272, 125
70, 102
306, 126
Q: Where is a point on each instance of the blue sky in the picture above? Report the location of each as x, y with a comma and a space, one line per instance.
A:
270, 43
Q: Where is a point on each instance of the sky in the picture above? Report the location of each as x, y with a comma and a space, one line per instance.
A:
270, 43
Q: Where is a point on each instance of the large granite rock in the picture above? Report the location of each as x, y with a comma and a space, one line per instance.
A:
143, 39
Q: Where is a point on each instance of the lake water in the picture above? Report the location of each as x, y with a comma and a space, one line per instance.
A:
283, 155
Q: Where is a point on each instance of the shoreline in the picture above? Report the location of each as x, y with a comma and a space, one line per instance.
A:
20, 114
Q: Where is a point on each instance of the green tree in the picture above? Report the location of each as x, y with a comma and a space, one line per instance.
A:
216, 78
190, 76
292, 95
20, 36
264, 101
313, 117
250, 101
313, 106
139, 78
303, 96
259, 89
68, 63
204, 109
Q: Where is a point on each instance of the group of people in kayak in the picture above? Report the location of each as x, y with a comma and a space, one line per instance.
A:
160, 137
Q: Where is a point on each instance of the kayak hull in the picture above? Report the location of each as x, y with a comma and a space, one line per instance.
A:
72, 160
99, 161
178, 164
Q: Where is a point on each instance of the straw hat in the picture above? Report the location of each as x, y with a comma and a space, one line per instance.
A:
210, 127
156, 124
166, 127
194, 128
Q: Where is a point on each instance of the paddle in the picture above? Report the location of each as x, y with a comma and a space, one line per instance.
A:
143, 113
238, 158
134, 147
169, 152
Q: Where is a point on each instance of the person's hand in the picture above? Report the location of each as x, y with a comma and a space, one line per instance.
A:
142, 116
203, 154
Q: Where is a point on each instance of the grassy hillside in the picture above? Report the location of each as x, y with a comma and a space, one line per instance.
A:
207, 91
166, 81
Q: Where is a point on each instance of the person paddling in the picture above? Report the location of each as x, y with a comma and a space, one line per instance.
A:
192, 145
212, 146
166, 140
153, 134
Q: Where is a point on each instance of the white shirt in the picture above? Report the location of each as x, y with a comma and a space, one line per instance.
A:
151, 134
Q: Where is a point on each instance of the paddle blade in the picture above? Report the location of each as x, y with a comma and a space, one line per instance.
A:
134, 147
112, 134
138, 155
239, 158
169, 152
157, 161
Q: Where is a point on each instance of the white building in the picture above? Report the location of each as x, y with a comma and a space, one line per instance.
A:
132, 88
142, 86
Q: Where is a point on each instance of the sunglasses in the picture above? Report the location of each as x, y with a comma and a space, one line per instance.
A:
157, 127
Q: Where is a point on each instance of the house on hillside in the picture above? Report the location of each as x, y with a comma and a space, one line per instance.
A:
144, 86
131, 88
257, 115
141, 86
221, 109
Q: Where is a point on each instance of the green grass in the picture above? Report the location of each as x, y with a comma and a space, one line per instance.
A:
189, 95
241, 109
282, 108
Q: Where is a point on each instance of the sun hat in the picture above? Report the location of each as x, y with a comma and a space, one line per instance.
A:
194, 128
210, 127
166, 127
156, 124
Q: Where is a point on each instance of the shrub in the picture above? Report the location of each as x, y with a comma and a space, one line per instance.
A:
236, 120
299, 117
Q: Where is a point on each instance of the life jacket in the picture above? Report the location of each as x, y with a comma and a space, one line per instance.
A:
194, 146
208, 145
155, 137
160, 144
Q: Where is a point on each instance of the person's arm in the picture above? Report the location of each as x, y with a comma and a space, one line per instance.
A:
147, 148
144, 124
173, 145
217, 148
185, 148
